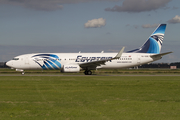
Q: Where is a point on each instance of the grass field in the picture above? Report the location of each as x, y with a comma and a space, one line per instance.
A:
89, 98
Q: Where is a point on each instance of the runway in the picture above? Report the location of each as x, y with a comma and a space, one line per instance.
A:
88, 75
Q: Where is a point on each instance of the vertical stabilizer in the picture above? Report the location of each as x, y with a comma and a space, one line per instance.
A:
154, 43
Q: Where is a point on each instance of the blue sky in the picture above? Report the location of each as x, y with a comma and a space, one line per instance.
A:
85, 25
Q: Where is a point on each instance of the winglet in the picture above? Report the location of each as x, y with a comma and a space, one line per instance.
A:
119, 54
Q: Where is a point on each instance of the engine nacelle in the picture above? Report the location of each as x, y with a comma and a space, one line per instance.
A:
71, 68
20, 70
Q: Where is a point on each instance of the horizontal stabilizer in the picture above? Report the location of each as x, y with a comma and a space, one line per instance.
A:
160, 55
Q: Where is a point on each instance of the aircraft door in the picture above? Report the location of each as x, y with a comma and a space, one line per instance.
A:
139, 59
26, 60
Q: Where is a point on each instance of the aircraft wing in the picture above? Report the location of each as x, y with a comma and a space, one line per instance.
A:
94, 64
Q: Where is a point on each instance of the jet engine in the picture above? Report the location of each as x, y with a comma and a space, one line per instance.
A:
71, 68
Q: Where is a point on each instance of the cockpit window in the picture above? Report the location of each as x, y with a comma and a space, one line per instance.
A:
15, 58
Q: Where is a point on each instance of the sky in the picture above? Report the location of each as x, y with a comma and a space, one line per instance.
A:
33, 26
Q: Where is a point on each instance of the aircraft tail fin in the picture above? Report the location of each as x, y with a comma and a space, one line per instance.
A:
154, 42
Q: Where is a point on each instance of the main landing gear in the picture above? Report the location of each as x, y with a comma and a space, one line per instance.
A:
87, 72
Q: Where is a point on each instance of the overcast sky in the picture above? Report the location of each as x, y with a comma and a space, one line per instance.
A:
86, 25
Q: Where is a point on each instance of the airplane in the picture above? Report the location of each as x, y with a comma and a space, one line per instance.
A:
74, 62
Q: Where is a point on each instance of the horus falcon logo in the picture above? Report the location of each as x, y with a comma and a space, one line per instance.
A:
47, 61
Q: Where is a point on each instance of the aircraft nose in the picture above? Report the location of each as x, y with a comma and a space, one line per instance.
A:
9, 63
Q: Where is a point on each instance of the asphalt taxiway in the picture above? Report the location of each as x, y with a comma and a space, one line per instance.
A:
89, 75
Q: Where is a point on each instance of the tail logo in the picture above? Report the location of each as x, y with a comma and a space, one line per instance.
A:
158, 38
154, 43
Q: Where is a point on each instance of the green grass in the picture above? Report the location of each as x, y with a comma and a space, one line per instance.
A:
89, 98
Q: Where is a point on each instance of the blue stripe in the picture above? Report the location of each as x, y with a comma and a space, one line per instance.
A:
44, 67
54, 66
48, 66
57, 63
46, 55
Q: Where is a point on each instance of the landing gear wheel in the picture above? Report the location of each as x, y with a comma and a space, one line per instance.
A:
87, 72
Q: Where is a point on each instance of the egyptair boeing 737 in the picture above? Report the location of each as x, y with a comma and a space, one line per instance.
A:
74, 62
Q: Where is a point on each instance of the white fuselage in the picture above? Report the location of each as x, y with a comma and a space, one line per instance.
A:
32, 61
